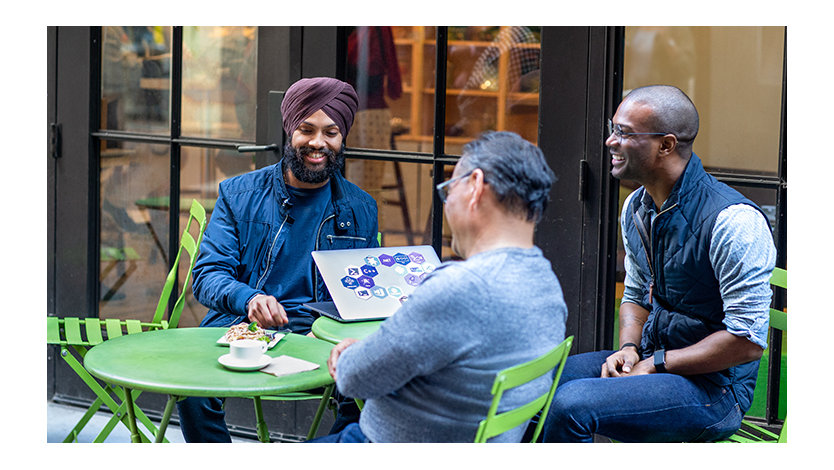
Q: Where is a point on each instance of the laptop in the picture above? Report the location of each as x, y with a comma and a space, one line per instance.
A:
371, 283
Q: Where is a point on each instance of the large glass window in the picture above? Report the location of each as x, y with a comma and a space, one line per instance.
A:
217, 105
491, 81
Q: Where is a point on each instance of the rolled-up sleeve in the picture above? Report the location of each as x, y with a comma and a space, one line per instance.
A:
635, 278
743, 255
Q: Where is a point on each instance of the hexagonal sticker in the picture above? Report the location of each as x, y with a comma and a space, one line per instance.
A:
372, 261
369, 271
417, 258
403, 299
365, 282
350, 282
353, 271
415, 269
387, 260
402, 259
400, 269
379, 292
363, 293
395, 291
411, 279
428, 267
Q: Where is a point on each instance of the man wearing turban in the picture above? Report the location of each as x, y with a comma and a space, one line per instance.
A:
254, 263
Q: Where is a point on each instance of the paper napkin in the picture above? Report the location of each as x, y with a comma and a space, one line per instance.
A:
286, 365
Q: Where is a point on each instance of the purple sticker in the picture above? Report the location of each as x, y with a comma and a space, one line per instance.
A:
417, 258
369, 271
366, 282
411, 279
387, 260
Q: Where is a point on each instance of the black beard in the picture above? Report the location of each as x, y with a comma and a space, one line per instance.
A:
295, 159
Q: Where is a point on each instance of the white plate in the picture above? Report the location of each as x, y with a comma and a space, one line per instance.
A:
230, 363
276, 336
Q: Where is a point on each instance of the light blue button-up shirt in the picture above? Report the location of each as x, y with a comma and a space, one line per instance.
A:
742, 255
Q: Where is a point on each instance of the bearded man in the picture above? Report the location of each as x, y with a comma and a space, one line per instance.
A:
254, 262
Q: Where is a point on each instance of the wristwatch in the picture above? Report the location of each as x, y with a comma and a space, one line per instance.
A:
660, 360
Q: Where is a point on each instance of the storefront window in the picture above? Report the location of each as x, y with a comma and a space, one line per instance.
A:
136, 78
218, 81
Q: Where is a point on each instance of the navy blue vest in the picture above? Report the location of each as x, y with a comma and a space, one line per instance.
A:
683, 294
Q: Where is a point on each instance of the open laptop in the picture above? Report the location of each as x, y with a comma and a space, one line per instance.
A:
371, 283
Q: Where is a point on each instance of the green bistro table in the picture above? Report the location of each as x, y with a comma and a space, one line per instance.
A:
182, 362
334, 331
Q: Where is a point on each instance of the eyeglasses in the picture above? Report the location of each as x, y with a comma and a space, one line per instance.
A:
618, 131
444, 187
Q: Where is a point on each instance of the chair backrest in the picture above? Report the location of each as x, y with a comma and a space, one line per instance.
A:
778, 318
196, 214
88, 332
496, 423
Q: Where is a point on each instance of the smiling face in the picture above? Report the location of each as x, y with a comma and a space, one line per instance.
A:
632, 156
315, 153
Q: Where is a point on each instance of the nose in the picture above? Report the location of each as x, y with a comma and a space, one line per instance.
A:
317, 140
612, 140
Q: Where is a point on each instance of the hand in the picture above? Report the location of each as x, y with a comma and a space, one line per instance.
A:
644, 367
266, 310
336, 352
620, 363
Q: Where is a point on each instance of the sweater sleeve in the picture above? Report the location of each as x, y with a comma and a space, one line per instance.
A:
420, 338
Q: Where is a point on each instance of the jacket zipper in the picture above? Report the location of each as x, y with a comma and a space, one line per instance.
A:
269, 255
650, 256
315, 276
330, 238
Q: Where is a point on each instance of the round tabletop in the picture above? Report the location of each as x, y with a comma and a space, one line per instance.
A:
335, 331
183, 362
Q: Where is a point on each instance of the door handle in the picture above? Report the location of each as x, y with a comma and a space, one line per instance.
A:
257, 148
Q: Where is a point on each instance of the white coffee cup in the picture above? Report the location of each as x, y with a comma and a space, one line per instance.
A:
247, 350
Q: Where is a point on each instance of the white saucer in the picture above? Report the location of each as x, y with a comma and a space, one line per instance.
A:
233, 364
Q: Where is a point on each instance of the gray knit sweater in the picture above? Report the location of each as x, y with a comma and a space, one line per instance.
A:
426, 373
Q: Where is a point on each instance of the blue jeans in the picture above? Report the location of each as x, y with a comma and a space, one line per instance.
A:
646, 408
350, 434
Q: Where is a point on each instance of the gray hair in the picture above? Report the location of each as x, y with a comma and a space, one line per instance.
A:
515, 170
672, 112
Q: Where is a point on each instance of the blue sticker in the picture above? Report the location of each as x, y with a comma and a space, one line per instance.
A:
353, 271
372, 261
369, 271
365, 282
349, 282
402, 259
379, 292
395, 291
363, 293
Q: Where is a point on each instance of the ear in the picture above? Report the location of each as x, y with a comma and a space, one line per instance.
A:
476, 187
668, 144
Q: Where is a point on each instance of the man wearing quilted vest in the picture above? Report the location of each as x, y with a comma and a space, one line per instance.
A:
694, 314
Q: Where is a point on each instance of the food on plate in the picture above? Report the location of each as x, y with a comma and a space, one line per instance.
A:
247, 331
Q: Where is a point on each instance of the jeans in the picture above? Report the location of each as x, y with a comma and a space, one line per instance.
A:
647, 408
350, 434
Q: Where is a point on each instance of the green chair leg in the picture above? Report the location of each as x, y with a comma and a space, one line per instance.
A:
263, 432
325, 399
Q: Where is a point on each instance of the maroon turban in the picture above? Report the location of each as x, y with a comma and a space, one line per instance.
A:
336, 98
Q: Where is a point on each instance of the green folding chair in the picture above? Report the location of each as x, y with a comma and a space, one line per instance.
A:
750, 432
497, 423
81, 334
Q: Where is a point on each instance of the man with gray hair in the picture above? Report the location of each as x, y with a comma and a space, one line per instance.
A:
426, 374
694, 314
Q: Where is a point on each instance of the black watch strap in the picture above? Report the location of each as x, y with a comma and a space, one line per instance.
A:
660, 360
632, 345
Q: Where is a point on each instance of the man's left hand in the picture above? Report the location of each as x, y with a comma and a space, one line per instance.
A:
644, 367
336, 352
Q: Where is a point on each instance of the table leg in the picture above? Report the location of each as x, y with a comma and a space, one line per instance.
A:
263, 432
166, 416
325, 398
131, 416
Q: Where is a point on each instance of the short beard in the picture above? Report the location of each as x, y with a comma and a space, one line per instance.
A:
295, 161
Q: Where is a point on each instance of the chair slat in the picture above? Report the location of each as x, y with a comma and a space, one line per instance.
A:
53, 331
113, 327
133, 326
72, 331
93, 329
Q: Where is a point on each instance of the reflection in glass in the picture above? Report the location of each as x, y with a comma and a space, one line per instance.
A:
133, 229
135, 79
218, 81
734, 77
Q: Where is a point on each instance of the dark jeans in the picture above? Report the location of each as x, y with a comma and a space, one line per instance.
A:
351, 434
646, 408
203, 419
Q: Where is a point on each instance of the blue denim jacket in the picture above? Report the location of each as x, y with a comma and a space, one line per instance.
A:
244, 236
